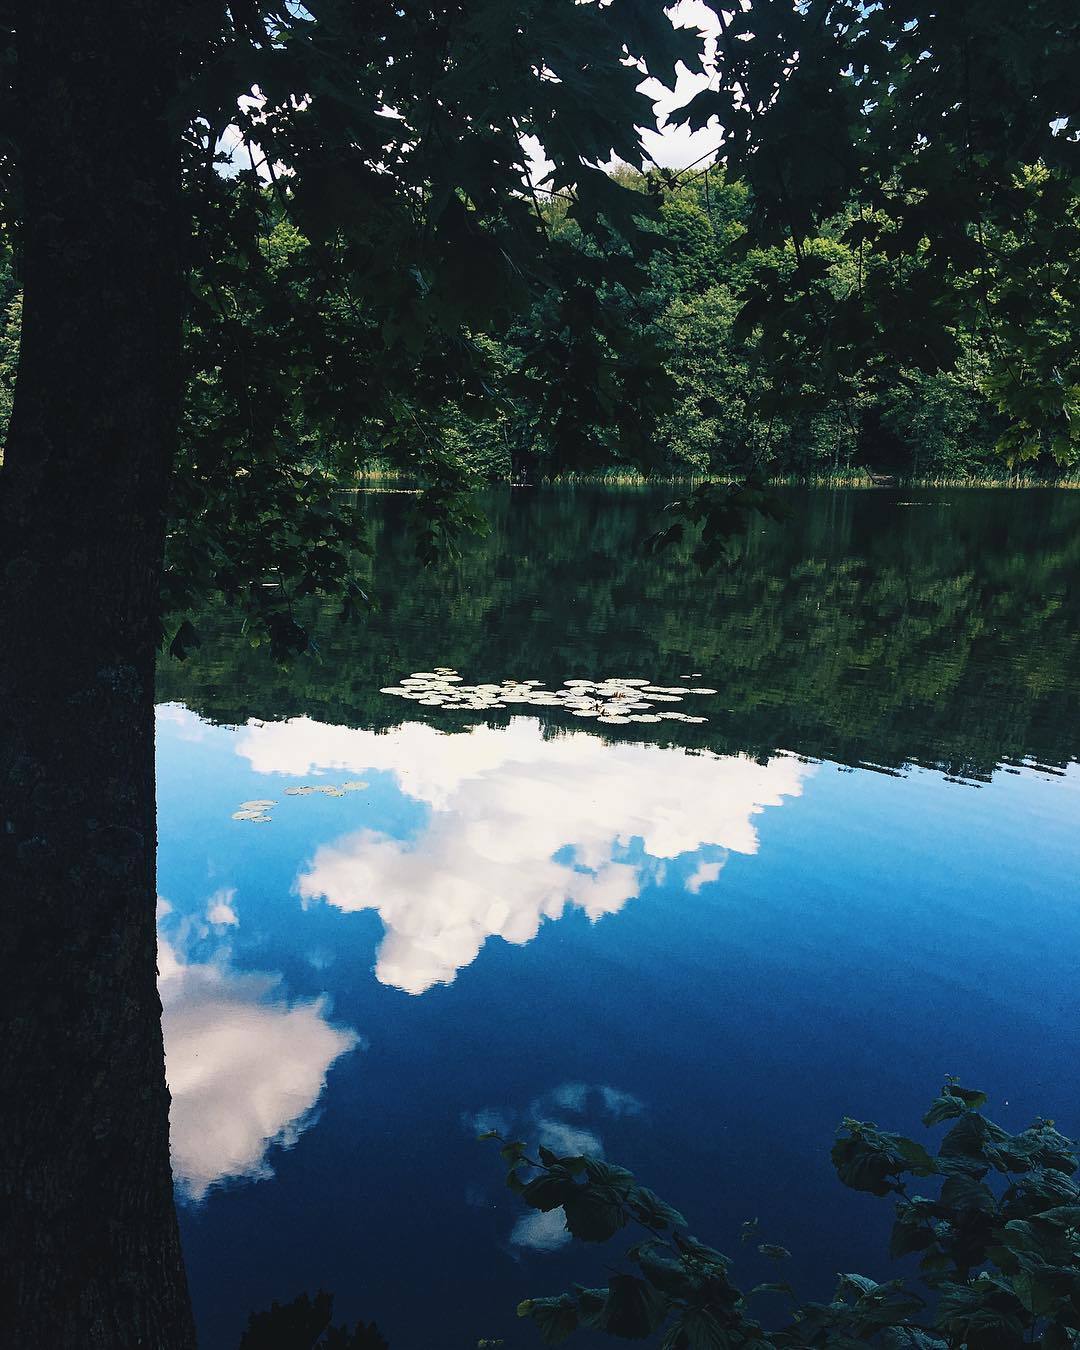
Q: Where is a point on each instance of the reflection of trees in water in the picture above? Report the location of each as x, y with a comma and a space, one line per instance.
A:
944, 632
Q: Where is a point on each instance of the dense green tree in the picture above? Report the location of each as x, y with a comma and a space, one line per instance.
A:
951, 136
746, 398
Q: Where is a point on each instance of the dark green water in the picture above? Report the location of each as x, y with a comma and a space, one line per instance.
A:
691, 946
936, 628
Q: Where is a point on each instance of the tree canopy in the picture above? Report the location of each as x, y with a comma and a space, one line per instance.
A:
375, 216
949, 135
377, 265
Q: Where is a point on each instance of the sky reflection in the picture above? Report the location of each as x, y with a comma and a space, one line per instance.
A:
245, 1067
518, 826
833, 958
458, 838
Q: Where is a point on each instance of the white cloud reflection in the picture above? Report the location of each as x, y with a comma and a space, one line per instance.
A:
571, 1096
519, 828
245, 1067
220, 911
705, 874
619, 1103
542, 1232
568, 1140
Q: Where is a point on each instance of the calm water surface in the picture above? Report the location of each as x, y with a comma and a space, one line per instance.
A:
692, 946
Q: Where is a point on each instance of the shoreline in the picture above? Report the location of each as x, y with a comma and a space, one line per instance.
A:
402, 482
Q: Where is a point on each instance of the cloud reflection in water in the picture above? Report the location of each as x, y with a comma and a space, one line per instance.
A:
520, 826
245, 1068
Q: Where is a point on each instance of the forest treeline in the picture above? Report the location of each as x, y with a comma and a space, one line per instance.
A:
742, 401
736, 402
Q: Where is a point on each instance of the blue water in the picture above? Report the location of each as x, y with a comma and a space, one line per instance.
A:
690, 958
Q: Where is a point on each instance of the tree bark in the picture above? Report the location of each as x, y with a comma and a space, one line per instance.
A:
89, 1247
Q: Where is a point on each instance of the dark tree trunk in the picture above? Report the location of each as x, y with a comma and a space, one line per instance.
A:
89, 1249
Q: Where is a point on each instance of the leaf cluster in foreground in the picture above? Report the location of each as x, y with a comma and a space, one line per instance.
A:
997, 1236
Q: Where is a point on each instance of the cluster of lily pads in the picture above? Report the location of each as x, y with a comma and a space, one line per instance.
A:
258, 810
611, 702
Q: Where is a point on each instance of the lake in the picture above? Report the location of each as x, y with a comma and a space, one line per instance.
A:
846, 867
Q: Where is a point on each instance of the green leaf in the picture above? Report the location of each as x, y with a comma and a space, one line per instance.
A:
945, 1107
911, 1338
916, 1158
698, 1251
651, 1210
555, 1318
972, 1098
774, 1287
868, 1159
591, 1305
965, 1193
663, 1270
698, 1329
1061, 1216
547, 1192
953, 1101
607, 1174
856, 1284
1037, 1294
909, 1237
634, 1309
594, 1214
966, 1139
